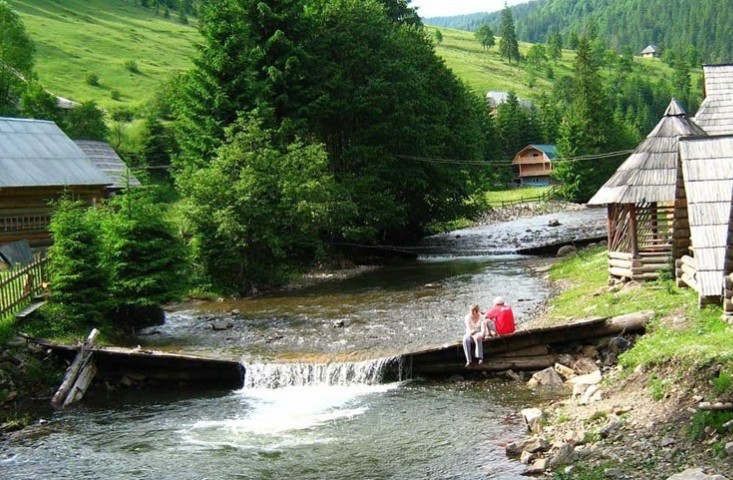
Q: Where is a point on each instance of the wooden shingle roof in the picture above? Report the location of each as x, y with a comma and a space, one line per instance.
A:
36, 153
707, 167
107, 160
715, 115
650, 172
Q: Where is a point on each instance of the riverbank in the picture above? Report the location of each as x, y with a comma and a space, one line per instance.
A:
647, 422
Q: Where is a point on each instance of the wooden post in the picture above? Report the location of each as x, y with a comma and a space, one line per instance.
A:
633, 232
78, 376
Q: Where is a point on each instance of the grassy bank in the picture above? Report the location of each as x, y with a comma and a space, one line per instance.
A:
685, 357
680, 331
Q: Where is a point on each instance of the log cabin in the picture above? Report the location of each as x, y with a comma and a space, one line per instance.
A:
39, 164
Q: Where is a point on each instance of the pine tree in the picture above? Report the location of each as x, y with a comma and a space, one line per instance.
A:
508, 45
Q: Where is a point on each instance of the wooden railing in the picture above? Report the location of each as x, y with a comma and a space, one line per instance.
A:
544, 197
19, 286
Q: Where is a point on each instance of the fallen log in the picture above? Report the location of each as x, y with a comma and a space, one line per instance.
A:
498, 350
719, 406
81, 363
536, 362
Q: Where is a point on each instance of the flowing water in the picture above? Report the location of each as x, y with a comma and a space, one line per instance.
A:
320, 400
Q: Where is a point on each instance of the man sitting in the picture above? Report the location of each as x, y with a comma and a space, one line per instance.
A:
502, 318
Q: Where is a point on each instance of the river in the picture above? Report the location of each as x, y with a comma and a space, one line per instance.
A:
308, 425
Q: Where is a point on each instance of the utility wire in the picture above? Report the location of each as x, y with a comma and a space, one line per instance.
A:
470, 163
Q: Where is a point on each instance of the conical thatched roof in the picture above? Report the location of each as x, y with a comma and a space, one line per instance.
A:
650, 173
707, 165
715, 115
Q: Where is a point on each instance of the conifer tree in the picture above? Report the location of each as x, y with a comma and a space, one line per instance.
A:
508, 45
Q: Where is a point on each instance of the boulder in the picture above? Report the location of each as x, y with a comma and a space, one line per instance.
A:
533, 419
564, 371
566, 251
223, 324
588, 379
561, 455
527, 457
546, 377
729, 449
695, 474
537, 468
533, 445
584, 365
512, 450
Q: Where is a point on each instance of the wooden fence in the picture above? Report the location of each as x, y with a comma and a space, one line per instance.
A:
19, 286
548, 195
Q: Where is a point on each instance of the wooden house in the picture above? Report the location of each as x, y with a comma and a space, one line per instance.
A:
644, 221
715, 115
38, 164
534, 164
106, 159
650, 51
707, 166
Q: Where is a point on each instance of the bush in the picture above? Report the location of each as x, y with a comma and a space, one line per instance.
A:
115, 94
131, 66
92, 79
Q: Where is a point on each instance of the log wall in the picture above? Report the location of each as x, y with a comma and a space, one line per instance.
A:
25, 213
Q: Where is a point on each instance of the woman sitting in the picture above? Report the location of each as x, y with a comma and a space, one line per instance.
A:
475, 334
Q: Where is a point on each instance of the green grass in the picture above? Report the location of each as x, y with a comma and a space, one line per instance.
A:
496, 197
484, 70
703, 339
75, 38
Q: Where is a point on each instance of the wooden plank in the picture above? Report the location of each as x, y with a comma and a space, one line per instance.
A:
621, 272
25, 313
620, 255
72, 373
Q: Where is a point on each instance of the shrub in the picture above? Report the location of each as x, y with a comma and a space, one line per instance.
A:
703, 419
92, 79
115, 94
131, 66
722, 383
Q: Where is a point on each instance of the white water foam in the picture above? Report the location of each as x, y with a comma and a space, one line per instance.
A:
280, 375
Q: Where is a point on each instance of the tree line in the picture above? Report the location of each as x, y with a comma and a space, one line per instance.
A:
669, 24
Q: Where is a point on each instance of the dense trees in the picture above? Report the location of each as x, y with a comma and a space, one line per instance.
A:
352, 76
635, 23
16, 58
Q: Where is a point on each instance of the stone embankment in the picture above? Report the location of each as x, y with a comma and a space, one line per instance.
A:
619, 430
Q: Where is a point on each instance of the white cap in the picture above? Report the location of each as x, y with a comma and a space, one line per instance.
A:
498, 301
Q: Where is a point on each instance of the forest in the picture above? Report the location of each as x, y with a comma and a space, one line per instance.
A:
634, 24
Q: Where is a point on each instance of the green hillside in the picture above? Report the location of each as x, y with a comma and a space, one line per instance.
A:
485, 70
75, 38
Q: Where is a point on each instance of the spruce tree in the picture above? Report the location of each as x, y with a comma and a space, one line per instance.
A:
508, 45
80, 287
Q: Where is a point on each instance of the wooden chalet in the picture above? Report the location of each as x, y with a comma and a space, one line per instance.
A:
644, 222
38, 163
650, 51
534, 164
106, 159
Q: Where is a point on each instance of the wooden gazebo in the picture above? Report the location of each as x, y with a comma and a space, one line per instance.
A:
645, 226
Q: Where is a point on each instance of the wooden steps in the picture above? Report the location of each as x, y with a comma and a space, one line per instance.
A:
29, 310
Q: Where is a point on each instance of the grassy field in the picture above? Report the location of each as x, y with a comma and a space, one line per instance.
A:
485, 70
514, 195
75, 38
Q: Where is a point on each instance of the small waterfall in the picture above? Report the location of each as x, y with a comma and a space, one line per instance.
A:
280, 375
